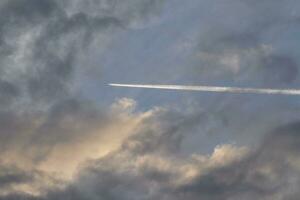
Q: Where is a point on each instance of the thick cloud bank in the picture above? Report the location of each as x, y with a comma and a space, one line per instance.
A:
149, 165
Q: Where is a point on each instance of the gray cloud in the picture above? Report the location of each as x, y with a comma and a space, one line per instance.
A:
40, 108
230, 46
267, 173
41, 41
42, 45
12, 176
270, 171
283, 69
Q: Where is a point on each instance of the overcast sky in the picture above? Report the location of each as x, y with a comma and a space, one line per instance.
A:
66, 135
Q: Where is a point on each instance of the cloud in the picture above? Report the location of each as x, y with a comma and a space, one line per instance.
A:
234, 49
41, 43
58, 143
132, 13
132, 172
149, 163
268, 172
42, 113
144, 152
284, 69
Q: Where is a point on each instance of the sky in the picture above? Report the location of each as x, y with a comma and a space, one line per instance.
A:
66, 134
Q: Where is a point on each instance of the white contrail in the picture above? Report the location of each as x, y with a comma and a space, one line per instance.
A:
213, 89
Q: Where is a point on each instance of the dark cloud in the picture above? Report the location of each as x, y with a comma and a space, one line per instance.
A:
42, 43
267, 172
64, 124
12, 175
8, 92
279, 69
264, 173
43, 66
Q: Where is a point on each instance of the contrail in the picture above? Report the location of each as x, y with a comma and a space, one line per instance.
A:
214, 89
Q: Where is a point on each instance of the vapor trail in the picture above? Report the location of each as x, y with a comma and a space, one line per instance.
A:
213, 89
